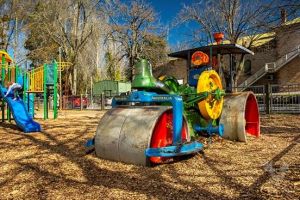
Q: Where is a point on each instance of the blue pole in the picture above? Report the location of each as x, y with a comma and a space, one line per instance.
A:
177, 119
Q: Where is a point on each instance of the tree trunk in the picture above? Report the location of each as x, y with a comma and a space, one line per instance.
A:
239, 71
74, 89
131, 69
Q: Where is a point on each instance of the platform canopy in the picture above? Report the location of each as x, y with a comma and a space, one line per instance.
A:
216, 49
7, 57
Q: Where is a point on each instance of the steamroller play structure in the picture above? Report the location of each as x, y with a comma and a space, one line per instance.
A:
41, 80
161, 119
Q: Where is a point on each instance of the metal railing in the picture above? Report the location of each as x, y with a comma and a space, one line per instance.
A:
87, 101
270, 68
285, 98
260, 93
277, 98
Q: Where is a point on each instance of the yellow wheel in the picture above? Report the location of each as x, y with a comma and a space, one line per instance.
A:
209, 81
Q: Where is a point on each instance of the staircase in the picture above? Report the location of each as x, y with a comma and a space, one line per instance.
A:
269, 68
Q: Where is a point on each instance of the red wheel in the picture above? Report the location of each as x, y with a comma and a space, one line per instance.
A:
162, 134
252, 116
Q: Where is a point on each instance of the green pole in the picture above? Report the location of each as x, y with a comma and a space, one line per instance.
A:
2, 83
3, 70
17, 72
45, 93
55, 90
31, 98
25, 86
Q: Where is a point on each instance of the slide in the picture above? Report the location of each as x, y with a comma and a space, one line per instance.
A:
19, 112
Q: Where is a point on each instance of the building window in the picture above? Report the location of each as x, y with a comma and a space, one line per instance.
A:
247, 67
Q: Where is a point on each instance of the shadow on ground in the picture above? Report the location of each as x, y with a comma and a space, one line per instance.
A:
53, 165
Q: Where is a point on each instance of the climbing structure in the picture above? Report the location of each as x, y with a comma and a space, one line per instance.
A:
15, 106
42, 81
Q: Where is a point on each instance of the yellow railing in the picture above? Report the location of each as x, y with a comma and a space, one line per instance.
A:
36, 80
36, 76
63, 65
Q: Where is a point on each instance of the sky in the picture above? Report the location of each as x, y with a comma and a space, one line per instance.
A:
167, 10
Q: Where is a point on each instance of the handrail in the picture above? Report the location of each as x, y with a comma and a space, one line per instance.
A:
269, 68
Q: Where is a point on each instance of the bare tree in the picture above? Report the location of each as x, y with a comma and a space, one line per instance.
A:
12, 16
76, 28
235, 18
130, 25
155, 49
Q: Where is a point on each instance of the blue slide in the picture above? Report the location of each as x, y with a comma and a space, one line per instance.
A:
20, 114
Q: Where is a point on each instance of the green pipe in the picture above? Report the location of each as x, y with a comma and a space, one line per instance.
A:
25, 86
2, 83
45, 93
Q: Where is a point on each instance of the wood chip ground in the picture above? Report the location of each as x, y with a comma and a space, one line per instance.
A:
54, 165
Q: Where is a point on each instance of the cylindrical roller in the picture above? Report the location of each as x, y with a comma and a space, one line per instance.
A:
124, 133
240, 116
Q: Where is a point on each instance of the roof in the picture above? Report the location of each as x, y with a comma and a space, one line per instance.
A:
259, 39
221, 49
7, 57
293, 21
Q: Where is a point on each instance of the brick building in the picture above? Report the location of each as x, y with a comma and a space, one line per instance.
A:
276, 59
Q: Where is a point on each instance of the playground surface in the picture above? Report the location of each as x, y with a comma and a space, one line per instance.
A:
53, 165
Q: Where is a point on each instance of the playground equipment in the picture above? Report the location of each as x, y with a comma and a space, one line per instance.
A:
41, 80
161, 119
15, 107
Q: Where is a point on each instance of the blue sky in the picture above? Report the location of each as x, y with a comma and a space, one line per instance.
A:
167, 11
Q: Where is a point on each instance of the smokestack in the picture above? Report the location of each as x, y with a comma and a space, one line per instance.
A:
283, 15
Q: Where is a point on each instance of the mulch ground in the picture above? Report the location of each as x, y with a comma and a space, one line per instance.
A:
54, 165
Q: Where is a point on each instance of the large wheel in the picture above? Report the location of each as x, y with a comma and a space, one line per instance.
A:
240, 116
162, 134
124, 133
209, 81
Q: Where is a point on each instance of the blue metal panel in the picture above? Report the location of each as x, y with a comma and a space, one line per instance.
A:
50, 74
31, 104
194, 75
20, 80
171, 151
